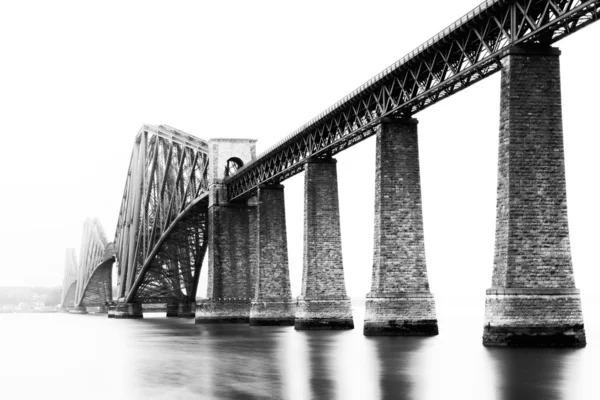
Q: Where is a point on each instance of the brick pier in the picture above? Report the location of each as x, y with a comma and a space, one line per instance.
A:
232, 241
272, 304
533, 300
399, 302
323, 303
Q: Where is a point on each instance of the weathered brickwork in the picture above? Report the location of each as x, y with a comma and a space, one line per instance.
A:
232, 241
323, 303
534, 320
532, 236
399, 269
272, 303
220, 311
405, 315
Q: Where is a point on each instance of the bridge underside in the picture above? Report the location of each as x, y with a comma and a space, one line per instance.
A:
171, 275
98, 291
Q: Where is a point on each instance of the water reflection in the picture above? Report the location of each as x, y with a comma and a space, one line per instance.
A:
530, 373
82, 356
395, 355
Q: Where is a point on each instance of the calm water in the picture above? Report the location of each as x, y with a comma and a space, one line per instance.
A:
66, 356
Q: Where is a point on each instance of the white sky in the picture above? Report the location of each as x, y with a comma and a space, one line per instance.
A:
78, 79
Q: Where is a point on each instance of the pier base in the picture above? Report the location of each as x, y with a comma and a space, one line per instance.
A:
225, 311
410, 314
533, 318
272, 312
172, 309
186, 310
324, 314
78, 310
128, 311
111, 311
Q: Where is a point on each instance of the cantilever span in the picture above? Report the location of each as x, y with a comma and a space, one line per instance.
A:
160, 240
67, 298
464, 53
97, 290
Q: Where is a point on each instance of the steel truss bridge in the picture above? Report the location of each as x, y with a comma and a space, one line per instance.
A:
162, 232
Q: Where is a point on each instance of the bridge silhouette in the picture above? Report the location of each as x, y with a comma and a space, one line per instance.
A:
185, 197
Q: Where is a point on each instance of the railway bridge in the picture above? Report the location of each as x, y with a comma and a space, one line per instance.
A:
185, 197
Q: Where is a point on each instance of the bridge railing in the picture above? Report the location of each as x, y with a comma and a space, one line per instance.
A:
465, 52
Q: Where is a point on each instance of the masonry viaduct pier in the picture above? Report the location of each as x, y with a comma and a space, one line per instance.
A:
185, 197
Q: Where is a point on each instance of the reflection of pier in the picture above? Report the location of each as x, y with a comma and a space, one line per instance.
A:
530, 374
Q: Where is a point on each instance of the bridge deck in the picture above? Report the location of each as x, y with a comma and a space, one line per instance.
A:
465, 52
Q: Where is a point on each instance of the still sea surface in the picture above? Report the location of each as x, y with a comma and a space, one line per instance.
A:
65, 356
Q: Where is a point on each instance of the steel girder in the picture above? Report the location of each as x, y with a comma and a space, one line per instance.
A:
93, 245
464, 53
160, 240
69, 278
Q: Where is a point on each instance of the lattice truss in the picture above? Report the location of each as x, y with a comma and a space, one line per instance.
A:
69, 279
91, 254
97, 290
464, 53
162, 229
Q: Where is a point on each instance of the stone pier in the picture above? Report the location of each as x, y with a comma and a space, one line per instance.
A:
533, 300
78, 310
232, 241
399, 302
186, 310
323, 303
128, 310
272, 304
172, 308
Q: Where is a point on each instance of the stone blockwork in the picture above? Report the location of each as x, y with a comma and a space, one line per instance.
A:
323, 303
219, 311
399, 302
530, 317
232, 241
272, 304
532, 251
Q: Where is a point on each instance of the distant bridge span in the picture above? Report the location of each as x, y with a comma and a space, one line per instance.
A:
464, 53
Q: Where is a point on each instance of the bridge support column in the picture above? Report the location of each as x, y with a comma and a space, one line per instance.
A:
533, 300
232, 257
186, 310
231, 265
323, 303
128, 311
272, 304
399, 302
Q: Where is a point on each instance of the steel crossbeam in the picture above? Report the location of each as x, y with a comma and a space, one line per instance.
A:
161, 232
464, 53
